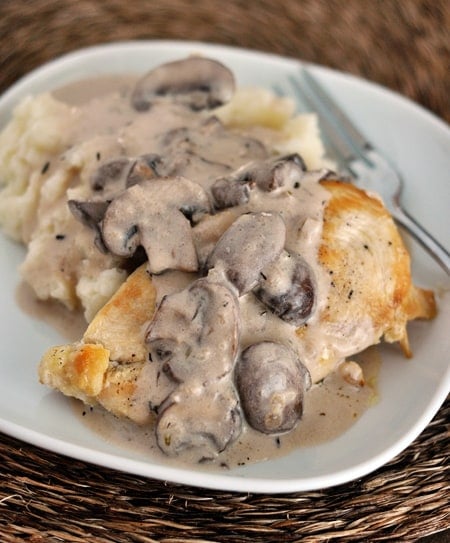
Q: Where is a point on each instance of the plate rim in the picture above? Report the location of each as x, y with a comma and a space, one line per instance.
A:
176, 44
221, 481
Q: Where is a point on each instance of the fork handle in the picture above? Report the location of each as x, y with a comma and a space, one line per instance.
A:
428, 242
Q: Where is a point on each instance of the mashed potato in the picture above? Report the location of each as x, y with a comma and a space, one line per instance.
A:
49, 152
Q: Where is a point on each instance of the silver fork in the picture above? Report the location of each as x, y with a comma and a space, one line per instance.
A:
367, 167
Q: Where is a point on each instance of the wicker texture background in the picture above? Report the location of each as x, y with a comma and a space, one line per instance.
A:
402, 44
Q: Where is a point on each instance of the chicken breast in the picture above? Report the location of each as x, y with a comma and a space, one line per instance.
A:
371, 297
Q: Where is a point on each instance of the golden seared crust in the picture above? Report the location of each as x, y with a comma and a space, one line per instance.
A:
76, 370
119, 323
130, 388
368, 266
109, 366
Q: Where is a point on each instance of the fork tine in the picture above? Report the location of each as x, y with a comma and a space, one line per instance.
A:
349, 130
340, 147
344, 138
343, 151
363, 161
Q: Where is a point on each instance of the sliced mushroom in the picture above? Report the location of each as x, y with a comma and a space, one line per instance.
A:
194, 336
288, 288
196, 332
199, 422
151, 214
110, 179
250, 244
119, 173
271, 383
286, 171
143, 168
199, 83
113, 172
231, 191
206, 150
268, 175
190, 152
90, 214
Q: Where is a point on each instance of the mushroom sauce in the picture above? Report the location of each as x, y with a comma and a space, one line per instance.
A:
230, 232
331, 408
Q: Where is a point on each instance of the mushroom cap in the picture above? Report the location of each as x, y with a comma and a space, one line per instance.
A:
196, 332
253, 241
199, 421
271, 382
288, 288
197, 82
151, 214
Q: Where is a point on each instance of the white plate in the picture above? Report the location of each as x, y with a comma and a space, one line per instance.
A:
411, 391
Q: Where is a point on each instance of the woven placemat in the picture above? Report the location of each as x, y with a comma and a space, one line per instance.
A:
44, 495
403, 45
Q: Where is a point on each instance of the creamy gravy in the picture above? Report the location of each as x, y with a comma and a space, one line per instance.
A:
212, 152
330, 406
